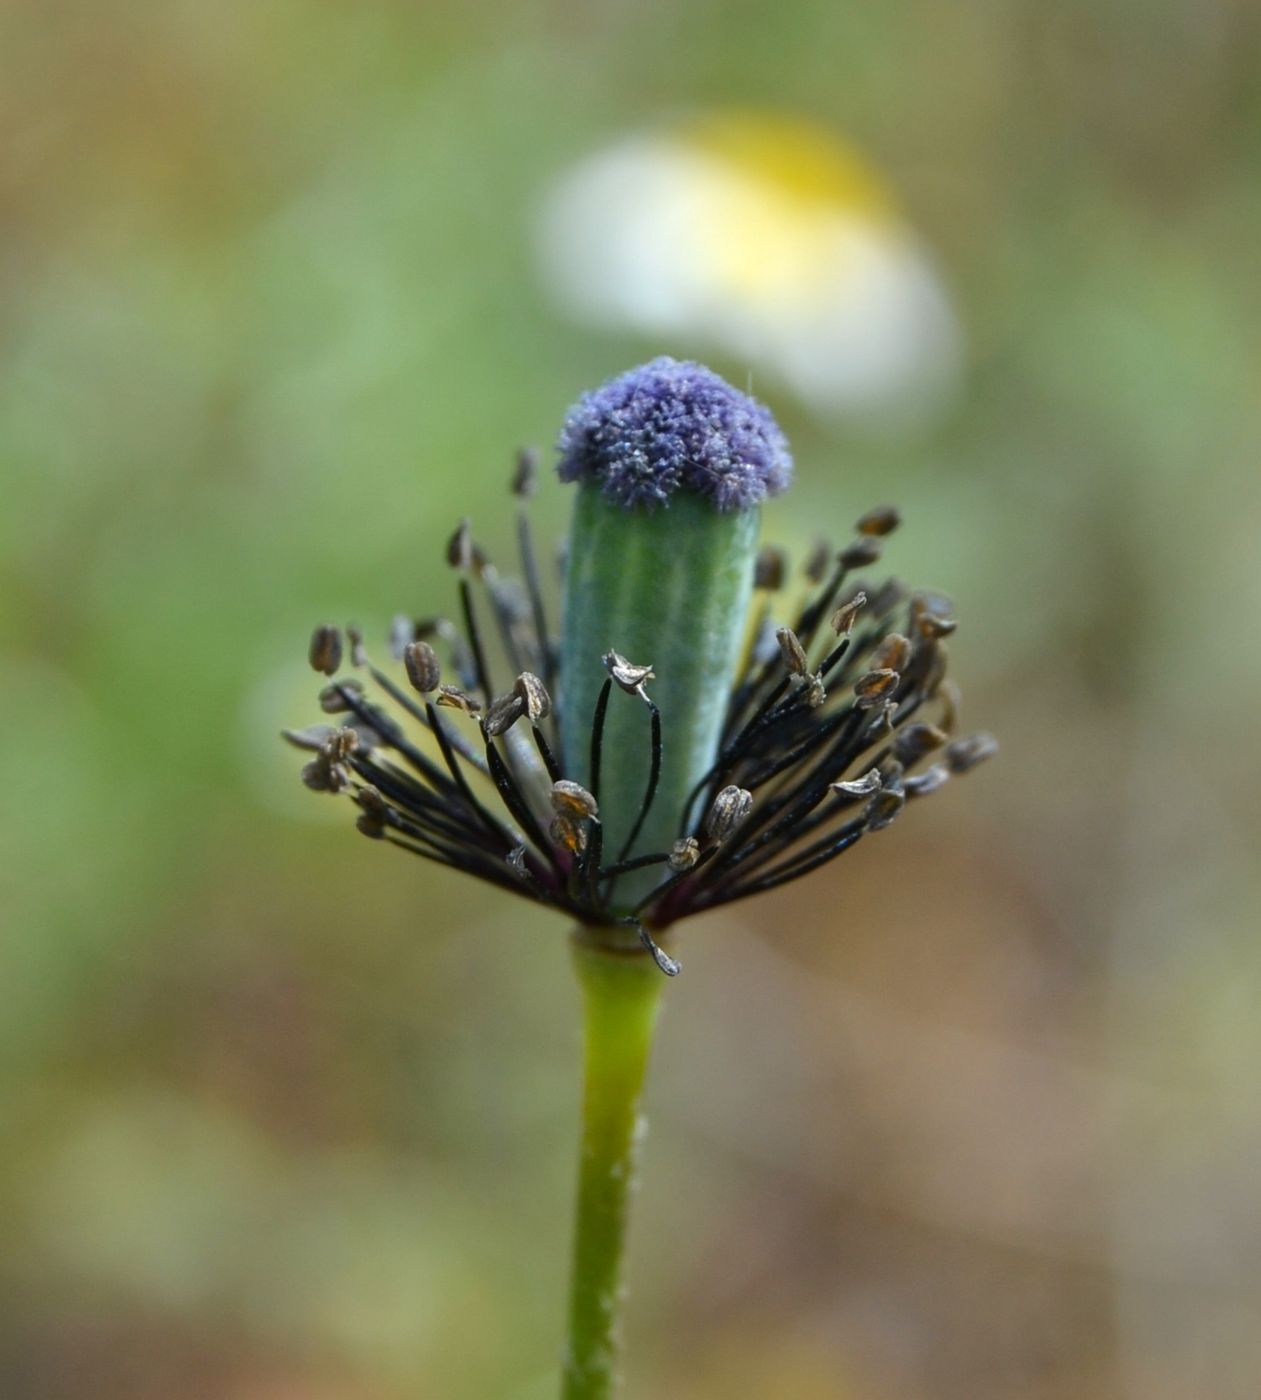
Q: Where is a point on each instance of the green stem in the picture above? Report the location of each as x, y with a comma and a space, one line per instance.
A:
621, 995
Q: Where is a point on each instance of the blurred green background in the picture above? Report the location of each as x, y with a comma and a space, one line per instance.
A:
288, 1117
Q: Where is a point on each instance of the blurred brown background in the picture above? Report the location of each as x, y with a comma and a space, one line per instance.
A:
286, 1117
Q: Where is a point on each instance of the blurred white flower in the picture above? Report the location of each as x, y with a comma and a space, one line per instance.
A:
768, 240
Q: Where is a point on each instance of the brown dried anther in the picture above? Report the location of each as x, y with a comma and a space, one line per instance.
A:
769, 570
374, 812
922, 784
932, 614
502, 713
456, 699
322, 776
573, 801
325, 652
883, 809
533, 695
728, 809
962, 755
893, 654
684, 854
842, 620
422, 666
792, 651
340, 744
937, 626
883, 520
570, 835
870, 782
326, 772
630, 677
875, 687
334, 698
313, 737
865, 550
916, 740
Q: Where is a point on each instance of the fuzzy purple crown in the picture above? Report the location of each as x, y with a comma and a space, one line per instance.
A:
673, 425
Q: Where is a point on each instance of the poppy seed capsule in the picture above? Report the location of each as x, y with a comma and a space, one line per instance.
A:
698, 749
672, 464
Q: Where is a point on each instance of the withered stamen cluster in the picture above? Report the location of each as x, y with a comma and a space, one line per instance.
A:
835, 721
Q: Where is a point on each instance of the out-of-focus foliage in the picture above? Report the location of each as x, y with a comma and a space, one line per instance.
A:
287, 1116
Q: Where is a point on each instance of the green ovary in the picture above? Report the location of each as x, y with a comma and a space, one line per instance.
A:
669, 587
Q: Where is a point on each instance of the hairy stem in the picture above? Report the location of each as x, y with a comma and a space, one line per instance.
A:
621, 995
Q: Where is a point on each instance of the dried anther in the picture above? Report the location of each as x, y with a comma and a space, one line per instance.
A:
684, 853
457, 699
502, 713
570, 835
864, 551
313, 737
875, 687
860, 787
916, 740
731, 807
768, 572
883, 809
631, 678
340, 744
881, 521
932, 614
336, 699
842, 621
321, 776
533, 695
792, 651
325, 654
374, 813
421, 663
937, 626
921, 784
962, 755
573, 801
893, 654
